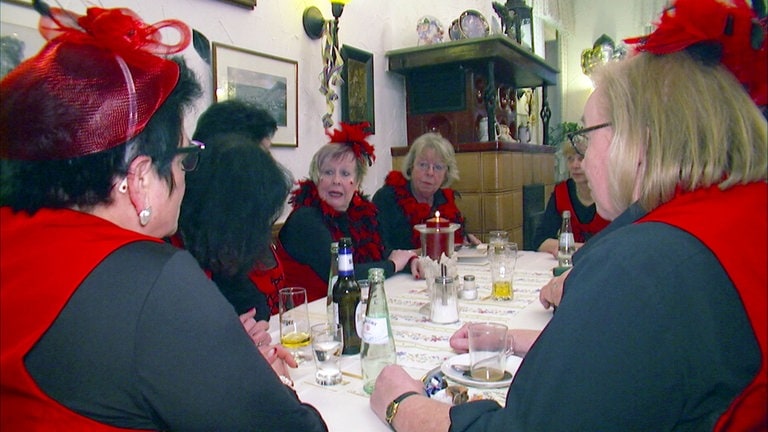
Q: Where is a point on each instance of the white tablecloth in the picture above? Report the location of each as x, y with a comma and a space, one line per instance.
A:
422, 345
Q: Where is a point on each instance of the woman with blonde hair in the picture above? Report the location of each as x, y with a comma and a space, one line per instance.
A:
662, 323
420, 189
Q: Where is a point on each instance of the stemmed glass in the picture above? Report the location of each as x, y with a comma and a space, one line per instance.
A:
294, 322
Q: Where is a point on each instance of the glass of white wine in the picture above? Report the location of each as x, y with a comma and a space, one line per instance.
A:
294, 322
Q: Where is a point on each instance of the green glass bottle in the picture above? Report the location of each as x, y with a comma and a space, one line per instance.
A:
333, 275
378, 349
346, 297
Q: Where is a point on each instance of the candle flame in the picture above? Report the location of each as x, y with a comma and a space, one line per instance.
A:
437, 215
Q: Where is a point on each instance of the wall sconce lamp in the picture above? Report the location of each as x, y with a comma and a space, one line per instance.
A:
314, 22
603, 51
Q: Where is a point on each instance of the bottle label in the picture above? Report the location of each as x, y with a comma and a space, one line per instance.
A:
566, 240
375, 331
346, 266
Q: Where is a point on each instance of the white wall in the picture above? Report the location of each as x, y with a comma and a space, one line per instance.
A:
274, 27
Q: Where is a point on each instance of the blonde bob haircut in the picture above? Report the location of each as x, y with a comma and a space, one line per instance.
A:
442, 147
336, 151
677, 124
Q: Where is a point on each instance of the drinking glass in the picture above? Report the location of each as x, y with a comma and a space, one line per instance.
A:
294, 322
487, 351
496, 240
327, 340
503, 271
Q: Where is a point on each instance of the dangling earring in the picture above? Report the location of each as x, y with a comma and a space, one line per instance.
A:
123, 188
145, 215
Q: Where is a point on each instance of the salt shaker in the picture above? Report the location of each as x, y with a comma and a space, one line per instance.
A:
469, 290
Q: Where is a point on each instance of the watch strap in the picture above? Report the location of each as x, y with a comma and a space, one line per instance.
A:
392, 408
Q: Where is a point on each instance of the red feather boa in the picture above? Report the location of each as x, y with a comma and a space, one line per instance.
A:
418, 213
363, 226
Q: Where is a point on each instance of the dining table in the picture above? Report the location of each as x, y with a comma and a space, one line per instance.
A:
421, 345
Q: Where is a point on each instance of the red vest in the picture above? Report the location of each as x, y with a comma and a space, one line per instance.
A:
269, 281
733, 225
581, 230
301, 275
44, 260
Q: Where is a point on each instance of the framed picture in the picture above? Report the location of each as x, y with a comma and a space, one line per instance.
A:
19, 2
268, 81
250, 4
357, 90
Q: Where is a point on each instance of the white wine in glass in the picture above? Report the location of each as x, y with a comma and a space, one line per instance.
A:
294, 322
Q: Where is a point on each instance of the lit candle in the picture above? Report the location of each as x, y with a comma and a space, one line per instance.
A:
438, 241
438, 222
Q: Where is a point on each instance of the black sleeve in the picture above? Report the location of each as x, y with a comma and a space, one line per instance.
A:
306, 238
650, 335
158, 347
361, 269
550, 223
394, 227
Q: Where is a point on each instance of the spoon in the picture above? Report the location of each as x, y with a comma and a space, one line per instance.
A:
465, 371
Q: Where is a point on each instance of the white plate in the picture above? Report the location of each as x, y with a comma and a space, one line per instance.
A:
513, 363
472, 254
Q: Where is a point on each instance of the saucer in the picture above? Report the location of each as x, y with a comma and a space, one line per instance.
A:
513, 363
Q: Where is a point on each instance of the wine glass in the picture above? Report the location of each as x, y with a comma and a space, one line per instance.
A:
294, 322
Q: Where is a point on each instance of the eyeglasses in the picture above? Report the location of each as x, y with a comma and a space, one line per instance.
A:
192, 155
579, 139
424, 166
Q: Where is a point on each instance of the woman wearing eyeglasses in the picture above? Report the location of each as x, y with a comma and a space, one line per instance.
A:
104, 325
411, 196
573, 195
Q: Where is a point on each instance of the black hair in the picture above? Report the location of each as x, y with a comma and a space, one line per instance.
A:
235, 115
86, 181
237, 192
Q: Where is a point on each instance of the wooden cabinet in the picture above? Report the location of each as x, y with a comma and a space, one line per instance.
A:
450, 87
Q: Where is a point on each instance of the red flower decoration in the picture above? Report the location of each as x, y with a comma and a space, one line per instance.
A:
354, 136
731, 24
363, 226
418, 213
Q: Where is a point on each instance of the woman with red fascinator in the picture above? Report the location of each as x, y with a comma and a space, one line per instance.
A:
329, 206
662, 323
105, 326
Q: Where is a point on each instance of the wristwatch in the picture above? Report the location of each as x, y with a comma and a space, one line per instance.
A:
392, 407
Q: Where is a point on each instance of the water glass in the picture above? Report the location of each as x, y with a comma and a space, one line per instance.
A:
487, 351
327, 341
294, 321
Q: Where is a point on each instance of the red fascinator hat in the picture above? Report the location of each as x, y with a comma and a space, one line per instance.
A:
93, 86
724, 31
354, 136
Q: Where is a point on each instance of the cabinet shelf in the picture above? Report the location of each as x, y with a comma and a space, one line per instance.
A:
513, 65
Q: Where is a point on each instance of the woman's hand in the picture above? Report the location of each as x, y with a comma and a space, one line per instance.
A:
279, 358
257, 330
551, 293
459, 340
471, 239
391, 383
401, 258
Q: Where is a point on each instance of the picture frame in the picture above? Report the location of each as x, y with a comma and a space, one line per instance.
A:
266, 80
250, 4
27, 3
357, 91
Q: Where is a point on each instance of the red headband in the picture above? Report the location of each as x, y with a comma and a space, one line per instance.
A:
93, 86
354, 135
731, 24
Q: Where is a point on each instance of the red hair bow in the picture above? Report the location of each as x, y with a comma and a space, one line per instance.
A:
354, 136
119, 30
732, 24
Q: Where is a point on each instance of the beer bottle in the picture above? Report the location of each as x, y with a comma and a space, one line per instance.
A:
346, 296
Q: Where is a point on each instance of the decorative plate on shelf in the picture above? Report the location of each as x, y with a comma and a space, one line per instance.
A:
473, 24
430, 30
